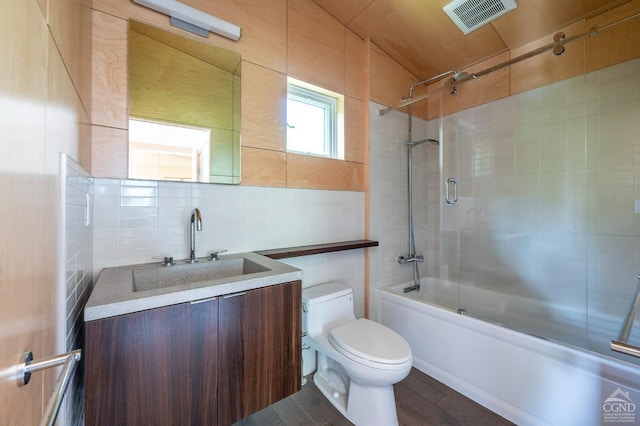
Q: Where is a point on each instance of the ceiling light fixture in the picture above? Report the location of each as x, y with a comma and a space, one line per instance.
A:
191, 19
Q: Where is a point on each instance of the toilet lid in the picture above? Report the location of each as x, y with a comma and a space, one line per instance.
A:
371, 341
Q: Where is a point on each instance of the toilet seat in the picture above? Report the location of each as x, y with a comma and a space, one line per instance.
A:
371, 344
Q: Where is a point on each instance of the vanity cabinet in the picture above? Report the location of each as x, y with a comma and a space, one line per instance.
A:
206, 362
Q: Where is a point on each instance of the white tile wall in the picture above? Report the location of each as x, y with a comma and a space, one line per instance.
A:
78, 195
138, 220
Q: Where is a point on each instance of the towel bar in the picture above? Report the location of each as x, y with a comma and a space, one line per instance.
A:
621, 345
69, 360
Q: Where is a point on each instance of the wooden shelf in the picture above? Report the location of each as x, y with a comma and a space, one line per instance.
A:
287, 252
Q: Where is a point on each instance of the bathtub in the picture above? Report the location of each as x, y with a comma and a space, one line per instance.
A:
526, 379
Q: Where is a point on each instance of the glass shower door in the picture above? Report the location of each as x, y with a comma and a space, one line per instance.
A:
511, 239
542, 236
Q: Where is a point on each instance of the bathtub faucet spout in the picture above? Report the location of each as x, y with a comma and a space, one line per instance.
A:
414, 287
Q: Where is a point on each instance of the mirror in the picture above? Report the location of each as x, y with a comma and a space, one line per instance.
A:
184, 108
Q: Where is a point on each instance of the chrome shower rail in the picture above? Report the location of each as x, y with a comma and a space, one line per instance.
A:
621, 345
69, 360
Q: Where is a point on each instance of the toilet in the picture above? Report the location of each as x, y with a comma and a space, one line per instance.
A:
358, 360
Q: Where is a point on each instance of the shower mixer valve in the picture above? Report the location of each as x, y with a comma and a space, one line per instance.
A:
410, 258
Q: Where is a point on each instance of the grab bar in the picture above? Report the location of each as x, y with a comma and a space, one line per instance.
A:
69, 360
621, 345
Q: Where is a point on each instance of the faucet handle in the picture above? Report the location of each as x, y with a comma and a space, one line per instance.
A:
214, 254
166, 260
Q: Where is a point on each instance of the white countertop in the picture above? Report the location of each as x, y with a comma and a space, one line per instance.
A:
114, 292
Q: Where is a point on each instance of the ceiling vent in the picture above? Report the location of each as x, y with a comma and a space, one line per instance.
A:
470, 15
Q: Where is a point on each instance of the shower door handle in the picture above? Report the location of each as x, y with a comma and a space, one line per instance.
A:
451, 182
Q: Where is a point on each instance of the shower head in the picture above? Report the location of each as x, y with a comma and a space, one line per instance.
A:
421, 141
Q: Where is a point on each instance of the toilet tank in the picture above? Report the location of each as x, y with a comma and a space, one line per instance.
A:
325, 306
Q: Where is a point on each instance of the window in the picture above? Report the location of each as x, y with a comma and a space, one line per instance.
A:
314, 120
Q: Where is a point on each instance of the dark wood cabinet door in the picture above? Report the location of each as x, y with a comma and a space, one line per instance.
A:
207, 362
203, 364
259, 349
138, 368
231, 355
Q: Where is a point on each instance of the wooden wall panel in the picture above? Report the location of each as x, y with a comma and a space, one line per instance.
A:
65, 21
345, 11
389, 82
305, 171
109, 152
263, 24
27, 288
264, 29
261, 167
65, 113
614, 45
264, 103
315, 46
354, 141
110, 101
84, 154
548, 68
70, 25
42, 116
354, 79
319, 50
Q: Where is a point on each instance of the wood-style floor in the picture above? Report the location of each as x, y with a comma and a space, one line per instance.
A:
420, 399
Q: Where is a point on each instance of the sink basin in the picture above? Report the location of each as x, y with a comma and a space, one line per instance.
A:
204, 271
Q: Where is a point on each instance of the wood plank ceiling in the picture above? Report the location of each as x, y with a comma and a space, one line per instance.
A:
422, 38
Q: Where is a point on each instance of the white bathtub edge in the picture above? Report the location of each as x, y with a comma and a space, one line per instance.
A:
529, 380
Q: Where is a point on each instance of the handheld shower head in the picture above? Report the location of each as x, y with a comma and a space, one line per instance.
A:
421, 141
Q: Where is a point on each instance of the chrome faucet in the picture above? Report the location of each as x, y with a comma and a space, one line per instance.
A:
410, 258
196, 224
